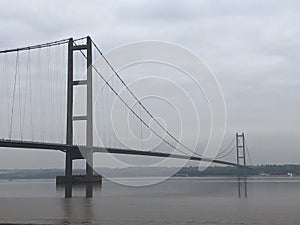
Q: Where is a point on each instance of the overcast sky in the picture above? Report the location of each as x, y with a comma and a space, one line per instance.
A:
251, 46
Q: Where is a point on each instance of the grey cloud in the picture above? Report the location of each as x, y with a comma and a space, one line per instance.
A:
252, 46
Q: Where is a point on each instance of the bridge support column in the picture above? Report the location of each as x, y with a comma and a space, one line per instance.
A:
240, 149
241, 160
71, 118
241, 154
89, 164
89, 108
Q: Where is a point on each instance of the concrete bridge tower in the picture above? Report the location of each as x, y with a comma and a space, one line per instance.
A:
71, 118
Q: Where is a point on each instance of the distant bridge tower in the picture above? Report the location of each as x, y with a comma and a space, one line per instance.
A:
241, 160
71, 118
240, 149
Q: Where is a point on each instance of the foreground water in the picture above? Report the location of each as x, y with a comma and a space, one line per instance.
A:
175, 201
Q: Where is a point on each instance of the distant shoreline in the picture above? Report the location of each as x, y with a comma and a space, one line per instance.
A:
132, 172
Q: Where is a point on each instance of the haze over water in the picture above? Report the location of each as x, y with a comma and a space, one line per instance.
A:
175, 201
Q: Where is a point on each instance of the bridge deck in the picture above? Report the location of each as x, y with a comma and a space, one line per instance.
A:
78, 148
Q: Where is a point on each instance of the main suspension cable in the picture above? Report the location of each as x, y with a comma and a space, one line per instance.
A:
126, 104
223, 156
227, 147
142, 105
248, 153
45, 45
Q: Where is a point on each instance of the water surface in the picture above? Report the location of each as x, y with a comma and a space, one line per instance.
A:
175, 201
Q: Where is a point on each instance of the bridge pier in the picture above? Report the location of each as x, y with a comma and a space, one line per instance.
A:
89, 176
69, 165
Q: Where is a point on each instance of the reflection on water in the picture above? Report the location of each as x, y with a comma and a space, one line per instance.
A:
242, 186
79, 213
207, 200
90, 187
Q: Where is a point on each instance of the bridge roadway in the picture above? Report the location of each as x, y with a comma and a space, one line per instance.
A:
78, 148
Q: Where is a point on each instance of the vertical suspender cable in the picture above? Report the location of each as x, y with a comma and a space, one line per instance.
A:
25, 94
14, 96
41, 100
30, 95
20, 110
6, 86
141, 127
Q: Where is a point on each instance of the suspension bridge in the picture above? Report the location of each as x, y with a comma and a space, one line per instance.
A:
40, 110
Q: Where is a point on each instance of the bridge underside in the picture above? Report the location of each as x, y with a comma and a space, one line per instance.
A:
83, 152
77, 151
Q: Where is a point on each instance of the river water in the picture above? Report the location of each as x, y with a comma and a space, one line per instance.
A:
269, 200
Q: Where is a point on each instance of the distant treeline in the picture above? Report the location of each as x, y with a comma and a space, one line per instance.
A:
273, 170
155, 171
